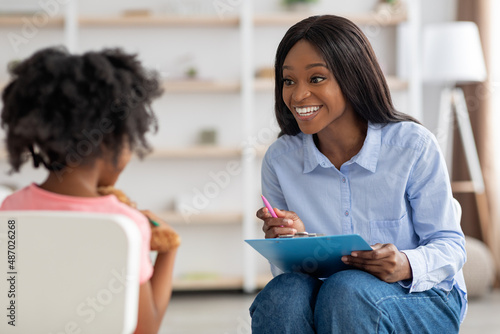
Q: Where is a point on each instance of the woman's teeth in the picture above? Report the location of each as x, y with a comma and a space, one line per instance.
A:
306, 111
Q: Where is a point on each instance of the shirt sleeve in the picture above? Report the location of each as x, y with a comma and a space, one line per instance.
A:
441, 251
271, 189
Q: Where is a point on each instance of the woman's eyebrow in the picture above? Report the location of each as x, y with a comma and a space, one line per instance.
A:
315, 65
287, 67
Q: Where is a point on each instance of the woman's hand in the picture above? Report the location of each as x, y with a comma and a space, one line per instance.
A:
385, 261
287, 222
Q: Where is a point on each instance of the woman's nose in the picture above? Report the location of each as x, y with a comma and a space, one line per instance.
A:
301, 92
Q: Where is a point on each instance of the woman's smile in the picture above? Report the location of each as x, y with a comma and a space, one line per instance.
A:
307, 113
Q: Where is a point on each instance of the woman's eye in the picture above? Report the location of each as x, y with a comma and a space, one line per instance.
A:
288, 82
317, 79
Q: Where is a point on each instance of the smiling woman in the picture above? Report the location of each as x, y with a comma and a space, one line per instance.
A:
347, 162
350, 60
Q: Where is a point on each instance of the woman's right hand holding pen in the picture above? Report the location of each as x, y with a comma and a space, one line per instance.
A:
287, 222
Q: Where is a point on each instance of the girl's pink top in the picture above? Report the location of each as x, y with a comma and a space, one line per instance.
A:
33, 197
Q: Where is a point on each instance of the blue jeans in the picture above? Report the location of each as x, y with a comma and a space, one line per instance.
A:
351, 301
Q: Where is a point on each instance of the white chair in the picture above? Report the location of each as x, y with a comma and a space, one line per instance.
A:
68, 272
458, 209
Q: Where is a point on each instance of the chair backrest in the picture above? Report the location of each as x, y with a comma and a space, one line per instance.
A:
68, 272
458, 209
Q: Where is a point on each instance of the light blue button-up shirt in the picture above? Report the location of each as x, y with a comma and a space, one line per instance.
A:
395, 190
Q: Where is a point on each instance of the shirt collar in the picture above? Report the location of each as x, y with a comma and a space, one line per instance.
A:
367, 157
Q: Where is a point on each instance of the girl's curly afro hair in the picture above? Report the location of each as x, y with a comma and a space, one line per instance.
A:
64, 109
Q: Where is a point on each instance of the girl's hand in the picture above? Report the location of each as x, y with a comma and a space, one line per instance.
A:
163, 236
287, 223
155, 218
385, 261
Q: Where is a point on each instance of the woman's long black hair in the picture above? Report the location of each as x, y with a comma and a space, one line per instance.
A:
64, 109
350, 57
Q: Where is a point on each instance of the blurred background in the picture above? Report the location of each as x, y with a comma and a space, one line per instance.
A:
216, 118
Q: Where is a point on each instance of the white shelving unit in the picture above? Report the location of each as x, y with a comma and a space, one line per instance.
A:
176, 218
247, 88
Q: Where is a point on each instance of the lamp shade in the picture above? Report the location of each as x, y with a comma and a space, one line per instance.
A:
453, 53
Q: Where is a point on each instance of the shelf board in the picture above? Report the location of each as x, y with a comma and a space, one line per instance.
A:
378, 19
288, 19
204, 152
156, 20
261, 150
264, 84
192, 86
261, 85
216, 283
219, 283
201, 86
262, 280
462, 187
195, 152
213, 86
17, 20
176, 218
395, 83
208, 151
267, 84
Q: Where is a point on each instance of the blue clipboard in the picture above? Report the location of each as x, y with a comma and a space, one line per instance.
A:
316, 256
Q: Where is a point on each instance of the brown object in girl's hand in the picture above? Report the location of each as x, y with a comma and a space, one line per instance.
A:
163, 237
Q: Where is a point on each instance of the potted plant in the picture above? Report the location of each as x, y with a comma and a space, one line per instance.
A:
298, 5
390, 6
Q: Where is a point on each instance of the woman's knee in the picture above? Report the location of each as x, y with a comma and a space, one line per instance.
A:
345, 287
347, 303
285, 305
298, 283
287, 291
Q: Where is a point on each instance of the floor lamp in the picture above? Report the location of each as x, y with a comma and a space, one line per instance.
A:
453, 54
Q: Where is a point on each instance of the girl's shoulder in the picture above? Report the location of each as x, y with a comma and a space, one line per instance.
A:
18, 199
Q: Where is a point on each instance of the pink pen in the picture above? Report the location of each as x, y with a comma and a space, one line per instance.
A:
269, 207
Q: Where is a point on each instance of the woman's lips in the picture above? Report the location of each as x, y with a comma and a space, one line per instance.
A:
306, 113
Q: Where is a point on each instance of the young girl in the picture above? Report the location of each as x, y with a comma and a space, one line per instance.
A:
82, 117
347, 162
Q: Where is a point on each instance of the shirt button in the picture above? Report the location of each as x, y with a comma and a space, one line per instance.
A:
343, 179
346, 213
